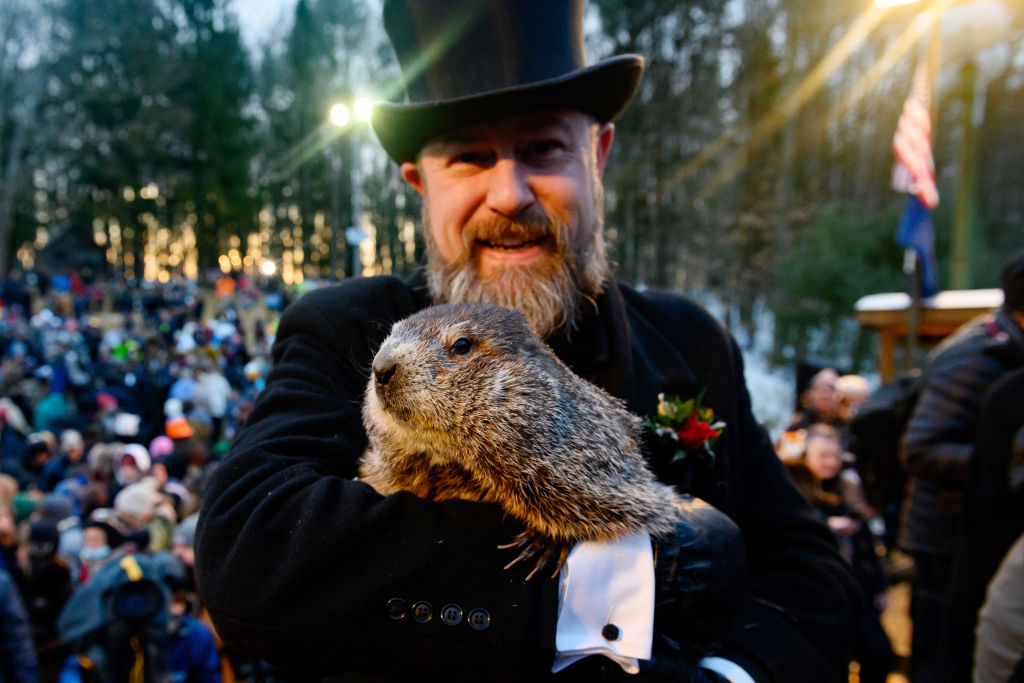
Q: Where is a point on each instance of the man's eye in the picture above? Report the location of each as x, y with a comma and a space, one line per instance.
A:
461, 348
473, 158
545, 147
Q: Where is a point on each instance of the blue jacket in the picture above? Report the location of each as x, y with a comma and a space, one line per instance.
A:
17, 656
193, 655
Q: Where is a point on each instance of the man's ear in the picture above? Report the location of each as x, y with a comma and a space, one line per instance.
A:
412, 175
605, 133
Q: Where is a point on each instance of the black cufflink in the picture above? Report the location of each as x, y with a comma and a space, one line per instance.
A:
610, 632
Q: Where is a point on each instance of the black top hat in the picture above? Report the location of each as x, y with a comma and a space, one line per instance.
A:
469, 61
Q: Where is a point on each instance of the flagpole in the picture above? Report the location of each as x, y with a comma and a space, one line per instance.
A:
912, 264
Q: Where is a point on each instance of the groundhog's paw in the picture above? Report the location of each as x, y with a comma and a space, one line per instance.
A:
550, 552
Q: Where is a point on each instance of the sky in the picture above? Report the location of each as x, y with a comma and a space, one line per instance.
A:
258, 18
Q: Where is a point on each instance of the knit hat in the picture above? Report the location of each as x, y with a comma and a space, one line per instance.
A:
43, 538
138, 500
185, 534
71, 439
105, 401
161, 445
1011, 280
22, 506
179, 428
55, 507
126, 424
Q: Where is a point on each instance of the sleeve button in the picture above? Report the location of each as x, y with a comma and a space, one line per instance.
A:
610, 632
479, 619
422, 611
451, 614
395, 608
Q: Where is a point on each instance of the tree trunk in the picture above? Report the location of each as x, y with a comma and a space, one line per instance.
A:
13, 174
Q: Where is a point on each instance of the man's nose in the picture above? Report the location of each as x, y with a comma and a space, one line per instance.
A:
510, 192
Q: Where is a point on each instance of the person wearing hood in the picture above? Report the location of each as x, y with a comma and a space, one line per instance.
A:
44, 582
131, 464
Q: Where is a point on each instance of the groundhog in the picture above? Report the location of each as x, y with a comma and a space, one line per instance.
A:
466, 402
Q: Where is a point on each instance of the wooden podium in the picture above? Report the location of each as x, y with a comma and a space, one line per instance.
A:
941, 315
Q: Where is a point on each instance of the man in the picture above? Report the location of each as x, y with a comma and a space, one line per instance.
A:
505, 136
992, 522
937, 449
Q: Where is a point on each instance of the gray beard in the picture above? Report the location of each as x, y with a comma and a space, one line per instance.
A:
550, 294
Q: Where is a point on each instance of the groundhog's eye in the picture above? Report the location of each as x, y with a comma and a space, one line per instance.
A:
462, 347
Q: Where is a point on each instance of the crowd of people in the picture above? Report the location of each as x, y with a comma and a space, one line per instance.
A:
116, 403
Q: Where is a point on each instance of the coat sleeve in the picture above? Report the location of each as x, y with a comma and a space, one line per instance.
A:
315, 572
798, 619
939, 437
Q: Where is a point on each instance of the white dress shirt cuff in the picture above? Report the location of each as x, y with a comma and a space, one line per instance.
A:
606, 603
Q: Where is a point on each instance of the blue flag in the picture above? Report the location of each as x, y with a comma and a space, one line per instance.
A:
916, 232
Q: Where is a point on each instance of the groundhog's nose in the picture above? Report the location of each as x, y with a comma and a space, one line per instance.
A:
384, 370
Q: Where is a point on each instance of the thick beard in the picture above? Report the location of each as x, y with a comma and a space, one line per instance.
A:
549, 293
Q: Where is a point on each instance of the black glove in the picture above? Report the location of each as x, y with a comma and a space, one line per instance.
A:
665, 666
672, 668
699, 577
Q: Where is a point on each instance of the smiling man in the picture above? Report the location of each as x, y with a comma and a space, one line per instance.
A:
512, 214
506, 133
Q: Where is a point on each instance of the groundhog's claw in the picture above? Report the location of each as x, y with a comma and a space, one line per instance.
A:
532, 544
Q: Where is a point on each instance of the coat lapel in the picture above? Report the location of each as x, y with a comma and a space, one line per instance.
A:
618, 349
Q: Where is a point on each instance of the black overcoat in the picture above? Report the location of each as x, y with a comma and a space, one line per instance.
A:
313, 571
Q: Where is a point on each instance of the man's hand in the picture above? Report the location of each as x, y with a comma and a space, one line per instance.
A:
673, 668
666, 665
699, 576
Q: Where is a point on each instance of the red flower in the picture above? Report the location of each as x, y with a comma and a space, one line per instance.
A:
695, 433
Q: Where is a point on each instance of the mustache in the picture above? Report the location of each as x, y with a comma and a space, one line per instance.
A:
530, 226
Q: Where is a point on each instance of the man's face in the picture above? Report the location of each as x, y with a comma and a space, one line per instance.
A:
512, 214
824, 398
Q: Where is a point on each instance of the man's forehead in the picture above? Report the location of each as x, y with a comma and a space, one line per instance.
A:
565, 121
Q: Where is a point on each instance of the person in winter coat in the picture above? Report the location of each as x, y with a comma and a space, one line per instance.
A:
993, 518
937, 447
506, 137
17, 655
45, 585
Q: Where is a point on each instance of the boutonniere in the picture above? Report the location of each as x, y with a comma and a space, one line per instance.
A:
685, 425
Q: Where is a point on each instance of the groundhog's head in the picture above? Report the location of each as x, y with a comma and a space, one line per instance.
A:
449, 370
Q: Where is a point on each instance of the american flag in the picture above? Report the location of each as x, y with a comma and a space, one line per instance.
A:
914, 170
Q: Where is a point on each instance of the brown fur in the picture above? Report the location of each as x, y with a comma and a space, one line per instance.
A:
508, 423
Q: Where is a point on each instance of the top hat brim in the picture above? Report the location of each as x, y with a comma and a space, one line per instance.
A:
602, 90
